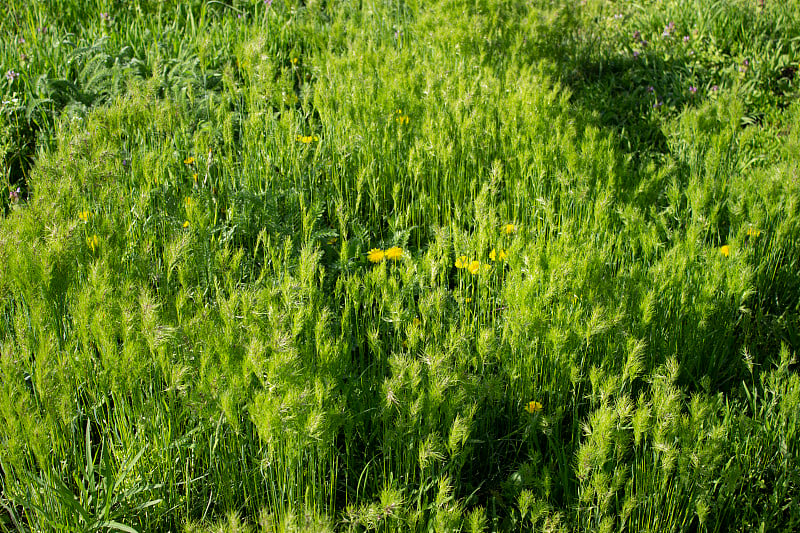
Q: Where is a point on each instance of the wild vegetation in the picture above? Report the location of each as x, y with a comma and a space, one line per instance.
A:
452, 265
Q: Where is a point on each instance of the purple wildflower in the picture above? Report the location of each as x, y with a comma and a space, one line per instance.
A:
14, 196
637, 35
657, 104
693, 89
686, 38
11, 76
650, 89
268, 2
668, 29
105, 17
20, 40
636, 53
715, 88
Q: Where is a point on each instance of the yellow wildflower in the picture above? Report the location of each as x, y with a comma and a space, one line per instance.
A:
84, 215
416, 321
93, 242
394, 253
189, 160
462, 262
294, 61
509, 229
189, 201
194, 176
533, 407
474, 266
725, 250
186, 224
753, 232
376, 255
306, 139
468, 300
494, 255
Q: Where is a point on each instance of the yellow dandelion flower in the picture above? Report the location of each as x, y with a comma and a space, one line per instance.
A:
509, 229
468, 300
394, 253
376, 255
189, 160
753, 232
462, 262
725, 250
194, 176
93, 242
189, 201
186, 224
294, 60
533, 407
474, 266
84, 215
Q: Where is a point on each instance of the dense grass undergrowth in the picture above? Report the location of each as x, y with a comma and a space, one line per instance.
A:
462, 265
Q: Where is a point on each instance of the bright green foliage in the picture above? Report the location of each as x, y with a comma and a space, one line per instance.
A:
474, 265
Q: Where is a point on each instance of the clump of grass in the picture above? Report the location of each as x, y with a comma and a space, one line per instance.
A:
285, 266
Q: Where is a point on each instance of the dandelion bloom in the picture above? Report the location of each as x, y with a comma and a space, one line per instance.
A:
725, 250
306, 139
376, 255
186, 224
533, 407
84, 216
189, 160
462, 262
394, 253
509, 229
753, 232
474, 266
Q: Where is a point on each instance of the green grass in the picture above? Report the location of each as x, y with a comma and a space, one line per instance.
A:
596, 204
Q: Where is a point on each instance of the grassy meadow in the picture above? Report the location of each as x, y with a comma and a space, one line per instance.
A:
399, 265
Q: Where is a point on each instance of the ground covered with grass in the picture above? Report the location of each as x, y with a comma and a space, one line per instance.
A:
452, 265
